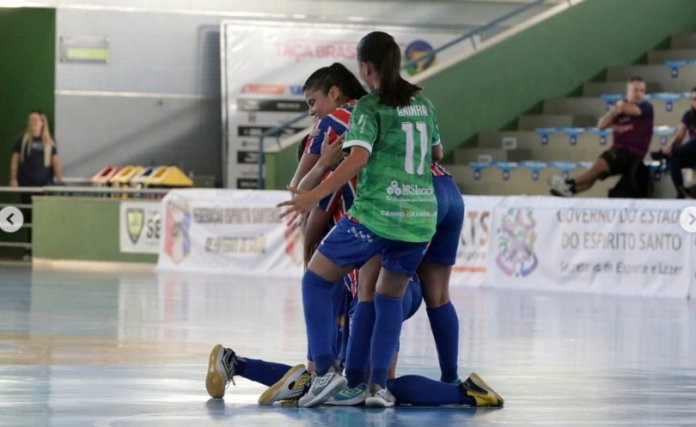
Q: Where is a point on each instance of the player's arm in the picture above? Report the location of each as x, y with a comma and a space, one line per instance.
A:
305, 200
437, 153
331, 155
317, 223
306, 164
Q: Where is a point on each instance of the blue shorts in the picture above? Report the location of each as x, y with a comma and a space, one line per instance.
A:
351, 243
450, 220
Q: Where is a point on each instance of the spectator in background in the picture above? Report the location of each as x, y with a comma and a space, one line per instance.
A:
632, 120
680, 156
35, 160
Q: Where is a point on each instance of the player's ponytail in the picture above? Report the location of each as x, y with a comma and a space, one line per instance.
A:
335, 75
382, 52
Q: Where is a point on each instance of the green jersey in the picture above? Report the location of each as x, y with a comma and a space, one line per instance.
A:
395, 196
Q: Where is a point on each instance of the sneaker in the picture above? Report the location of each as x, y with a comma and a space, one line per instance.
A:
658, 155
484, 395
559, 187
349, 396
322, 388
220, 370
289, 388
378, 397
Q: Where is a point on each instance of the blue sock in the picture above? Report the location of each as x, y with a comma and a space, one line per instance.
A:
358, 355
445, 326
266, 373
422, 391
319, 319
385, 337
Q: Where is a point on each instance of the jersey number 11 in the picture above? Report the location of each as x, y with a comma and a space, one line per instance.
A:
410, 146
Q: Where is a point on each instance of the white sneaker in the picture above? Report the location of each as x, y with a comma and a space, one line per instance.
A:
559, 187
378, 397
290, 387
322, 388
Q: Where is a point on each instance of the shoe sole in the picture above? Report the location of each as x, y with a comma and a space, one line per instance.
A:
326, 394
377, 402
215, 382
481, 383
557, 193
270, 396
355, 401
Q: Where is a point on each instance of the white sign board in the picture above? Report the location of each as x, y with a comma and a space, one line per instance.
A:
139, 227
265, 65
628, 247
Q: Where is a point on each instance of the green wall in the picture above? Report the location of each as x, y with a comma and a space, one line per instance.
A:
554, 58
491, 89
86, 229
27, 82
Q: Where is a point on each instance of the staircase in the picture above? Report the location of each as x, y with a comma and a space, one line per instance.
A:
568, 122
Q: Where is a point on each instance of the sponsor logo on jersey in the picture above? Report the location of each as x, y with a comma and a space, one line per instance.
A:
516, 239
408, 190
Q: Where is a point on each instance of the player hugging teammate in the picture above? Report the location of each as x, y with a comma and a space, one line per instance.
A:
398, 213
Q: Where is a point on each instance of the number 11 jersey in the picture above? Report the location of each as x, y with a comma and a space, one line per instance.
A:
395, 195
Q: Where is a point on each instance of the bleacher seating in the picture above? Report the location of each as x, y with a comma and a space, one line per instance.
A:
565, 140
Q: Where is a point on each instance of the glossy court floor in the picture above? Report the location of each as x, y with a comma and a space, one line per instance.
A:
126, 349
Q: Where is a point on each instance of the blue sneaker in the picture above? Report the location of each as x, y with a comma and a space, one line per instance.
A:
348, 396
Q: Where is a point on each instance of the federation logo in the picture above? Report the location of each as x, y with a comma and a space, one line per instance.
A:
177, 242
415, 50
516, 239
135, 219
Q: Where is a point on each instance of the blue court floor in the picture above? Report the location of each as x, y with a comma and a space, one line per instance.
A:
130, 349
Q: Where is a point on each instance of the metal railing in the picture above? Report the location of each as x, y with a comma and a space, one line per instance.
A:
276, 131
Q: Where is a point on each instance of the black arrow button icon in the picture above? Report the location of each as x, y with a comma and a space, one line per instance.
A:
693, 219
9, 219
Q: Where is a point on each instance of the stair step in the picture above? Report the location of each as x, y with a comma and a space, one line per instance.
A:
655, 74
488, 154
595, 89
684, 41
575, 106
534, 121
658, 57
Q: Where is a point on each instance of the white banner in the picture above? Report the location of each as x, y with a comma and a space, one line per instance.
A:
607, 246
265, 65
139, 227
472, 256
228, 231
628, 247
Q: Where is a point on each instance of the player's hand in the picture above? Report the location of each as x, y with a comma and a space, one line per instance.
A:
617, 109
331, 154
303, 202
667, 151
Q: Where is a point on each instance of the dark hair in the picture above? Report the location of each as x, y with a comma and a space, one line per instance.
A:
301, 147
335, 75
636, 79
693, 90
381, 51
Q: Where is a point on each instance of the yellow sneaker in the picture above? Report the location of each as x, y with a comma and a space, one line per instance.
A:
289, 388
484, 395
220, 370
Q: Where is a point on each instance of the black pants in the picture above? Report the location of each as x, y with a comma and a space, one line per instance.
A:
683, 157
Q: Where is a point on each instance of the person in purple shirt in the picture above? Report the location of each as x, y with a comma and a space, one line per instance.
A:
632, 120
681, 156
